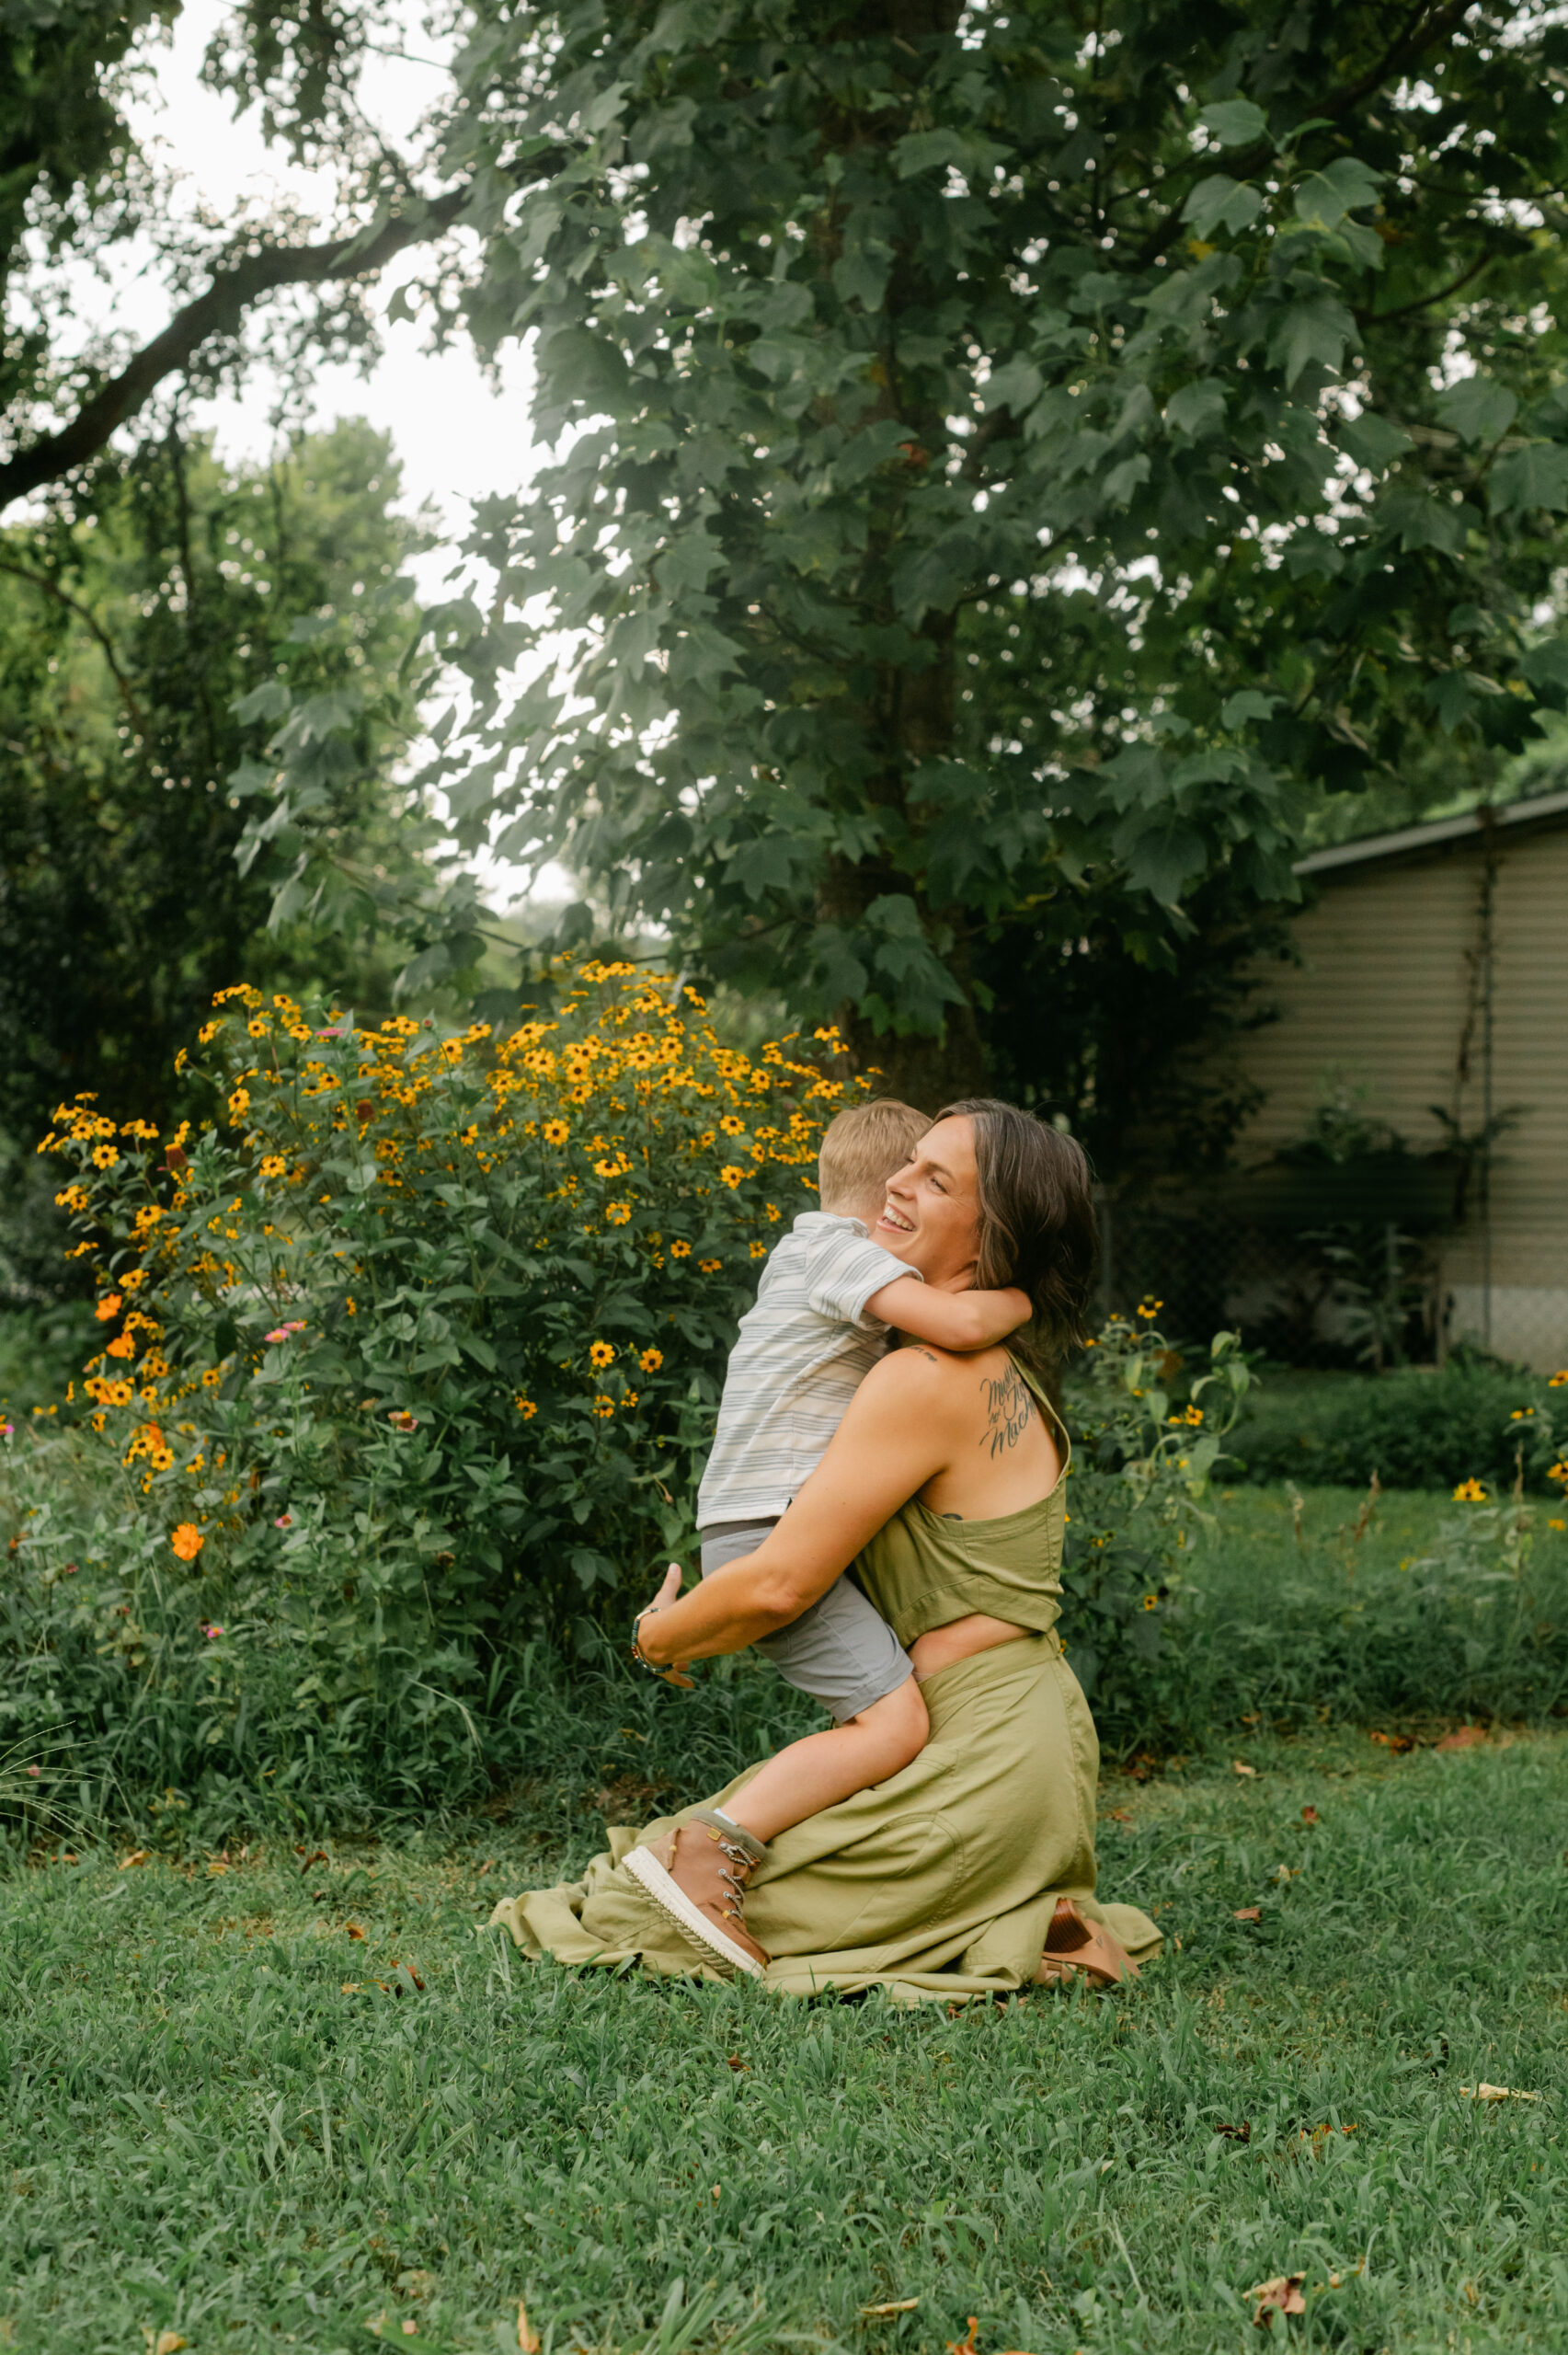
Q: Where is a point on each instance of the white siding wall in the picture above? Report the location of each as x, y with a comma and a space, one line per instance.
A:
1384, 989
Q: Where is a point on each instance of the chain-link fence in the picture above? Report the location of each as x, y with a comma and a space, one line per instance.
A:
1346, 1293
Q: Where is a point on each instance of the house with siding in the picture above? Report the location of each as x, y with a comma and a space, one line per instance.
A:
1433, 968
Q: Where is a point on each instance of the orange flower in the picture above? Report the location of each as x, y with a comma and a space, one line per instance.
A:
110, 1305
188, 1541
651, 1360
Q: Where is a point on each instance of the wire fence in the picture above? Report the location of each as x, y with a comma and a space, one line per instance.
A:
1350, 1294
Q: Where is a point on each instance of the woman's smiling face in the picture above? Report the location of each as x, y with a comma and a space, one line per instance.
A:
931, 1216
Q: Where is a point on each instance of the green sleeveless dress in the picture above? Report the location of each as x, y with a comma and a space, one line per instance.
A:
939, 1883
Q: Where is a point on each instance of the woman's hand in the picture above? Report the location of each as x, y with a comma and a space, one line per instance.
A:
673, 1671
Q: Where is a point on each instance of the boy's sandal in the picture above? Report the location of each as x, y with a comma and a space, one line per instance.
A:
1075, 1947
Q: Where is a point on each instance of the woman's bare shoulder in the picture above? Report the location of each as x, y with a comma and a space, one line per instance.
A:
921, 1369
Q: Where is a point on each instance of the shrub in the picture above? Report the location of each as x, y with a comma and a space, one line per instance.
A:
1142, 1467
1414, 1430
414, 1353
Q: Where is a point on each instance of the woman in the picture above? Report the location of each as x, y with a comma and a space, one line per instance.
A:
971, 1872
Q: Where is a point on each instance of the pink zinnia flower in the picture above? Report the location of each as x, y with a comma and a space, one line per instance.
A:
210, 1628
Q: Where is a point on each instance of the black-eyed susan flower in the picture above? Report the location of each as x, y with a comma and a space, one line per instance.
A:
732, 1125
651, 1360
556, 1133
617, 1213
729, 1175
1470, 1492
600, 1353
710, 1267
603, 1407
273, 1165
680, 1250
525, 1407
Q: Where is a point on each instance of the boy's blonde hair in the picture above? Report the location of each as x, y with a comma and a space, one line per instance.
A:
862, 1147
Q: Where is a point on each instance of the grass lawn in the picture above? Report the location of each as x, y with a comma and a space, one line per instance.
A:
218, 2124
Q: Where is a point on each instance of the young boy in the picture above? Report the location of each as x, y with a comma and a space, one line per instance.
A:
824, 1308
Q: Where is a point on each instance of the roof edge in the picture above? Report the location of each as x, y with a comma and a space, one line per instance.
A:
1432, 836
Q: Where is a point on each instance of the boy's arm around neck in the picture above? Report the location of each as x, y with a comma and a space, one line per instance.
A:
950, 1320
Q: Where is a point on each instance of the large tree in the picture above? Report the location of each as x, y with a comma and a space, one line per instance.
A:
1004, 456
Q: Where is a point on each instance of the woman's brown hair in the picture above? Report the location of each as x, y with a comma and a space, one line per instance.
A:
1036, 1223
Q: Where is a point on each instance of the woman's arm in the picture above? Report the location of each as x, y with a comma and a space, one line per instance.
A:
894, 1438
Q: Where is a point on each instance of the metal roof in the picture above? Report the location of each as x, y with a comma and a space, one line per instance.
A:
1411, 841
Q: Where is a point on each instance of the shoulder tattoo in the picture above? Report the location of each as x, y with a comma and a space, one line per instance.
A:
1008, 1409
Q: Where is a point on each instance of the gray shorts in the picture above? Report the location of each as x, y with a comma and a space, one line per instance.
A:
839, 1650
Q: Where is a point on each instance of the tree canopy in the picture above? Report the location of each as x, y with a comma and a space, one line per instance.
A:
1008, 462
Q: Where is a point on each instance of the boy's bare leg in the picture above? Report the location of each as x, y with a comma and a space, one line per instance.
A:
827, 1767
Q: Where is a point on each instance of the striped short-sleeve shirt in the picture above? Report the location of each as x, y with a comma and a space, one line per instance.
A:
803, 1350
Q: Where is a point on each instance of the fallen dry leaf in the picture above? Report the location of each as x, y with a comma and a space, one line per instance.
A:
1249, 1913
965, 2346
736, 2063
410, 2328
349, 1987
1120, 1814
137, 1857
1242, 2134
166, 2342
1462, 1738
527, 2337
1392, 1740
893, 2306
1239, 1766
1282, 2295
353, 1930
1496, 2093
1311, 1815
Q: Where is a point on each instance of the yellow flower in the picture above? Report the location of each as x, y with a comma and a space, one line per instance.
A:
239, 1103
1556, 1381
603, 1407
259, 1028
556, 1133
1471, 1492
1193, 1415
1150, 1307
732, 1125
680, 1250
600, 1353
729, 1175
525, 1407
617, 1213
212, 1378
710, 1267
1557, 1524
758, 1250
188, 1541
106, 1157
1152, 1603
273, 1165
773, 1212
1559, 1472
651, 1360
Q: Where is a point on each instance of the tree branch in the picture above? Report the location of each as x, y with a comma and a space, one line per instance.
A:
106, 644
1406, 310
218, 311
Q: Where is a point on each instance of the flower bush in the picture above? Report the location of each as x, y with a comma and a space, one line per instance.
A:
413, 1353
1145, 1447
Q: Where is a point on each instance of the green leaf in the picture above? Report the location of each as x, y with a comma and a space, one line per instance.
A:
1220, 202
1324, 198
1546, 668
1249, 704
1374, 441
271, 700
924, 150
1309, 333
1536, 477
1478, 409
1124, 479
1197, 407
1235, 122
